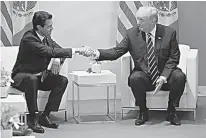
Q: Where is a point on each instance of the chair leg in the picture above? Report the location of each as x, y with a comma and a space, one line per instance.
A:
194, 114
65, 115
122, 113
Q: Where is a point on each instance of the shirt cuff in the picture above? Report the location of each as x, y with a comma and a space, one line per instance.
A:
73, 51
164, 78
97, 54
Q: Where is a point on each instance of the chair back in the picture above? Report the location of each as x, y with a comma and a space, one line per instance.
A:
8, 57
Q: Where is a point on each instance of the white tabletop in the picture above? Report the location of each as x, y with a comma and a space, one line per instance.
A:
16, 101
13, 98
23, 137
83, 77
85, 73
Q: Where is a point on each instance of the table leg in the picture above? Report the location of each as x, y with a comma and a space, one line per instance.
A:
21, 118
122, 112
65, 116
78, 95
25, 120
107, 100
73, 98
114, 102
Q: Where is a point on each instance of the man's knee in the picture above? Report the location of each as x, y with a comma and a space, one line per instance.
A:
64, 80
30, 78
30, 84
180, 76
135, 78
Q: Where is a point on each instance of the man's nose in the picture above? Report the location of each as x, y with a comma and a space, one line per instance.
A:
138, 23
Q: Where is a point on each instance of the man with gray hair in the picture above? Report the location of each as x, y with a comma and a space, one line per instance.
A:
155, 52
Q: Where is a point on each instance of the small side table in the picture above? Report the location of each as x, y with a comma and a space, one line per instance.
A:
84, 79
18, 102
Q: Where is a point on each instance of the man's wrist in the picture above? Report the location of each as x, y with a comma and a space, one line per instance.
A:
75, 50
164, 78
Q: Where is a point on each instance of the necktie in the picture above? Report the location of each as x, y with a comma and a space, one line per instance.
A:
44, 41
44, 73
152, 63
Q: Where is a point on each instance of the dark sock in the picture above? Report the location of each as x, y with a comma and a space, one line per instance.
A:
46, 113
170, 109
33, 115
143, 109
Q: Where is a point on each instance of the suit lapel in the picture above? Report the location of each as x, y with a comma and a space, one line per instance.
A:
142, 40
143, 36
47, 39
158, 36
35, 34
143, 45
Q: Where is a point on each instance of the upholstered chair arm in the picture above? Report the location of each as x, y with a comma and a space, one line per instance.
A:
192, 77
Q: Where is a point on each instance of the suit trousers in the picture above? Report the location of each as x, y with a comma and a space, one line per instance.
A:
30, 84
141, 82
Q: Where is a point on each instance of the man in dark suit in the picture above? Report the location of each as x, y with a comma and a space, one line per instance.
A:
30, 72
156, 54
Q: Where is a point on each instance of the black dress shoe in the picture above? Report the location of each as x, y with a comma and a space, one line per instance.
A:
45, 121
173, 119
34, 125
142, 118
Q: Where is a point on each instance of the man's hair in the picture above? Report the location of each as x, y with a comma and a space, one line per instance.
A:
147, 11
39, 18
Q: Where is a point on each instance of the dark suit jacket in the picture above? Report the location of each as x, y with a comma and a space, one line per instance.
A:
34, 57
166, 49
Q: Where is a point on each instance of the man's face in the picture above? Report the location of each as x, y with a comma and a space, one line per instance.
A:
47, 29
145, 24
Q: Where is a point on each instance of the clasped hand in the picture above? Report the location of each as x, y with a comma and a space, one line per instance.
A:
56, 66
86, 51
158, 85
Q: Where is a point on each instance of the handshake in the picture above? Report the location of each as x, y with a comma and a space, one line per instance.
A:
87, 51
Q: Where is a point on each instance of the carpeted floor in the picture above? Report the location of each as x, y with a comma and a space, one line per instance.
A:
156, 127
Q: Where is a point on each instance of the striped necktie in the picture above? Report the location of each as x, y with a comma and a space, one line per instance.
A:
152, 63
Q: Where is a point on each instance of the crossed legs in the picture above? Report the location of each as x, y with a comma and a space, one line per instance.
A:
30, 84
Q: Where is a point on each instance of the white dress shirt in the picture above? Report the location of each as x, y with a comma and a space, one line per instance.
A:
41, 37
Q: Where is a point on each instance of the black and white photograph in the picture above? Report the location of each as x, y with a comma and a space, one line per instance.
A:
103, 69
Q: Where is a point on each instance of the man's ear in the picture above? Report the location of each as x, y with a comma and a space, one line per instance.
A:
154, 21
39, 27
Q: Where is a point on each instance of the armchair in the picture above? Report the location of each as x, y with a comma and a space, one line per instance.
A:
188, 64
8, 58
